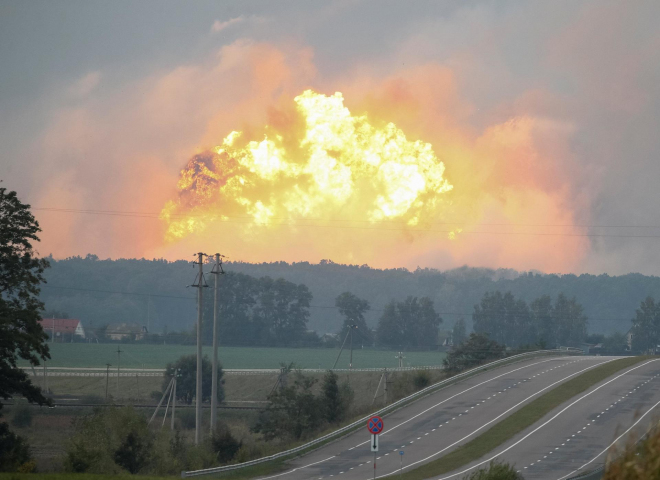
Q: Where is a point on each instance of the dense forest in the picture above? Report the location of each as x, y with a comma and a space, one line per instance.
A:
156, 293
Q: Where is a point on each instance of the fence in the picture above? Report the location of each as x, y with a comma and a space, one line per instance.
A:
158, 372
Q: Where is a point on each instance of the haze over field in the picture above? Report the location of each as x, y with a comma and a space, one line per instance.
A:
513, 134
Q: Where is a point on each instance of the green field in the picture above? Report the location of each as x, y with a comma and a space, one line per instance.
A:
157, 356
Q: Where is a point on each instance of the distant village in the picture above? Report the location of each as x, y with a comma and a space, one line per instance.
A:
63, 330
70, 330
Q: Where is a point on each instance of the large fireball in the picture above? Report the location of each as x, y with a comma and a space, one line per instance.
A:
324, 166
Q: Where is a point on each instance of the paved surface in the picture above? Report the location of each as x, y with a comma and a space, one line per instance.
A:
438, 423
575, 437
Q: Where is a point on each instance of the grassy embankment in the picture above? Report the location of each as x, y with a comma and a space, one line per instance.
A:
519, 421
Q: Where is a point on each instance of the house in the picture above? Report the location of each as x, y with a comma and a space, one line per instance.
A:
62, 327
125, 331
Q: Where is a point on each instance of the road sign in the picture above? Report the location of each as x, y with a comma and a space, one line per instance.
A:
374, 442
400, 452
375, 425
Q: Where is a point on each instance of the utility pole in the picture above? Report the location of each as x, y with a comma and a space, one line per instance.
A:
118, 352
198, 392
350, 362
217, 271
176, 374
107, 380
400, 357
52, 337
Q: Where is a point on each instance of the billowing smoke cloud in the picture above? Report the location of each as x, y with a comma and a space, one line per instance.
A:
542, 118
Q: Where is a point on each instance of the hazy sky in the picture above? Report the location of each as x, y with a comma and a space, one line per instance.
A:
102, 103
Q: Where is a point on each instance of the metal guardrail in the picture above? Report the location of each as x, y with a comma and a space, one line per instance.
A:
593, 474
388, 409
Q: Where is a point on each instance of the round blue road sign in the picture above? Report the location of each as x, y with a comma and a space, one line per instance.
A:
375, 425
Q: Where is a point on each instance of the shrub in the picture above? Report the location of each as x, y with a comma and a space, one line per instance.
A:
496, 471
186, 383
292, 413
476, 350
27, 467
22, 416
14, 450
639, 461
110, 441
223, 443
133, 452
421, 379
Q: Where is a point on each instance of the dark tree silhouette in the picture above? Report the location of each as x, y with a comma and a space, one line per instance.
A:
186, 382
21, 271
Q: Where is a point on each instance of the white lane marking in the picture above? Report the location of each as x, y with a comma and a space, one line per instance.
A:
548, 421
495, 419
459, 393
421, 413
610, 445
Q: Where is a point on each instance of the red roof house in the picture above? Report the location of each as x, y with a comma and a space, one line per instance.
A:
58, 327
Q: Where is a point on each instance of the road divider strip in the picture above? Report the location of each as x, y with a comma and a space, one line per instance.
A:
518, 421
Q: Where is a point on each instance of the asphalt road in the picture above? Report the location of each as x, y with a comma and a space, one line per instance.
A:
438, 423
576, 436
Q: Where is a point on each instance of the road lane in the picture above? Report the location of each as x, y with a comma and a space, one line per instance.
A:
576, 435
438, 420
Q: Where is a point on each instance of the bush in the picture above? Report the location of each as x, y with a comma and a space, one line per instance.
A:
223, 443
335, 399
110, 441
476, 350
639, 461
496, 471
133, 453
292, 413
22, 416
421, 379
14, 450
186, 383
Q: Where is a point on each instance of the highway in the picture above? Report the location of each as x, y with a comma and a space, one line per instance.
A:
434, 425
576, 436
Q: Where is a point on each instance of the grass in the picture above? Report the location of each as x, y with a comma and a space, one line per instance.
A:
519, 421
157, 356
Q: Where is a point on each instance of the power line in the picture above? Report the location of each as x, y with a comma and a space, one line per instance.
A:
287, 222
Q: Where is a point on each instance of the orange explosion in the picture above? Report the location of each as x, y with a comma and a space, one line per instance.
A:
336, 167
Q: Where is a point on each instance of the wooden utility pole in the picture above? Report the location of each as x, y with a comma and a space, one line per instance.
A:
217, 271
107, 380
118, 354
200, 309
176, 372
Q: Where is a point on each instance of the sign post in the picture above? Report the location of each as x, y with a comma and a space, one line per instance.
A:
375, 426
401, 457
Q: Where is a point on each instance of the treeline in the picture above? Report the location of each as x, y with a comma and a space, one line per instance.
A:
260, 311
90, 289
512, 322
87, 288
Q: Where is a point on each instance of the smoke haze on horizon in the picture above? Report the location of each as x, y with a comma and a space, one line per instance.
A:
543, 113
